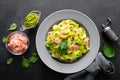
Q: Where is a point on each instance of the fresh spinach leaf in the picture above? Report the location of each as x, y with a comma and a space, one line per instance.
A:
10, 60
4, 39
62, 51
12, 27
108, 50
25, 62
33, 58
63, 44
63, 47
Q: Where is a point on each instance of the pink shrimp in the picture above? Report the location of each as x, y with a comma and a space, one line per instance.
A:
23, 39
57, 41
18, 42
63, 34
75, 30
73, 47
86, 42
57, 55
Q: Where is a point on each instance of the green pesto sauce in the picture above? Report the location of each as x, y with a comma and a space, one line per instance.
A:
31, 19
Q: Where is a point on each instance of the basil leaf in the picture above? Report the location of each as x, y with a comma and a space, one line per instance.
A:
13, 26
62, 51
10, 60
33, 58
63, 47
25, 63
4, 39
108, 50
63, 44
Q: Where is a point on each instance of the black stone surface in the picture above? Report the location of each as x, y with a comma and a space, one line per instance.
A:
15, 10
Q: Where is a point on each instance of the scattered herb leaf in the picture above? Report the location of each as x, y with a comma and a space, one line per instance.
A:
25, 62
108, 50
10, 60
13, 26
4, 39
33, 58
63, 47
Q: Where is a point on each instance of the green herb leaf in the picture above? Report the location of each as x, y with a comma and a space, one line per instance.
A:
108, 50
62, 51
13, 26
63, 47
4, 39
33, 58
25, 63
63, 44
10, 60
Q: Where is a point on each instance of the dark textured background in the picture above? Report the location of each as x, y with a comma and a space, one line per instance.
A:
14, 11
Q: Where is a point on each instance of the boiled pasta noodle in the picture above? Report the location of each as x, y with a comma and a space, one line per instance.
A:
76, 36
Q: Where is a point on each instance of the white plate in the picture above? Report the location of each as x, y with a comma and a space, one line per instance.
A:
82, 63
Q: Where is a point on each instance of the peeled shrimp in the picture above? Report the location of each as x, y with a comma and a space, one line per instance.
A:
75, 30
57, 41
18, 42
57, 55
86, 42
63, 34
73, 47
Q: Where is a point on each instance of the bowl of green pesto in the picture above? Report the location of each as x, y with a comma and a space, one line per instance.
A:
31, 20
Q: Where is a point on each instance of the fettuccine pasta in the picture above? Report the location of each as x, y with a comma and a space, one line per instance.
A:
74, 34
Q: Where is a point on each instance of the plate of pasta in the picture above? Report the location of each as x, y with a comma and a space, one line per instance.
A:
67, 41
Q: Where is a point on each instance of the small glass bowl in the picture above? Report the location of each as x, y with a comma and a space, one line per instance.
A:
17, 41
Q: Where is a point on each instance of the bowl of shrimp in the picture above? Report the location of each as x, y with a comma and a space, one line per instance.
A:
17, 43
